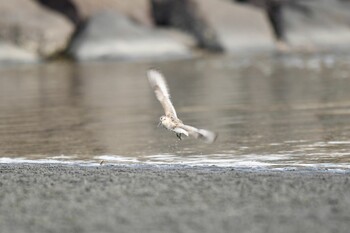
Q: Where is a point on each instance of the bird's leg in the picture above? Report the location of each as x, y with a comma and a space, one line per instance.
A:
178, 135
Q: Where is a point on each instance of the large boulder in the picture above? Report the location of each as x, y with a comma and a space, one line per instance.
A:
218, 24
33, 28
114, 36
66, 8
316, 24
138, 10
79, 10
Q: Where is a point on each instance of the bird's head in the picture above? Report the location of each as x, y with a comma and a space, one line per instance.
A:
161, 120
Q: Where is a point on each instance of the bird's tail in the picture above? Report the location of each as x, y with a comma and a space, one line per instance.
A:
206, 135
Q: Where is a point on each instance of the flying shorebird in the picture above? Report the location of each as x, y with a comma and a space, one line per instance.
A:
170, 120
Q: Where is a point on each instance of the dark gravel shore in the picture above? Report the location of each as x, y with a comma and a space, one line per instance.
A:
58, 198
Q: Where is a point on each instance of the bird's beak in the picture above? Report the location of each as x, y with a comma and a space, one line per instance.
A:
159, 124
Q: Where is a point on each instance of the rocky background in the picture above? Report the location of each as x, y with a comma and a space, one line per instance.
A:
39, 30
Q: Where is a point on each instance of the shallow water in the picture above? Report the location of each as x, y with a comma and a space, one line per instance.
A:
272, 112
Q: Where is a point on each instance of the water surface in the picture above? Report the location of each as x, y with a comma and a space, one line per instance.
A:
273, 112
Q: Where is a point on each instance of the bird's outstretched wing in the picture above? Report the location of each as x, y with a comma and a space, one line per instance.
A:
206, 135
160, 87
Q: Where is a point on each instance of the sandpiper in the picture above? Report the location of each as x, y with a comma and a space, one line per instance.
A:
170, 120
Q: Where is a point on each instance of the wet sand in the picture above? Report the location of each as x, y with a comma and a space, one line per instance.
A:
61, 198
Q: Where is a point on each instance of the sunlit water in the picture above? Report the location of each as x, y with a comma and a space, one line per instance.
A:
280, 112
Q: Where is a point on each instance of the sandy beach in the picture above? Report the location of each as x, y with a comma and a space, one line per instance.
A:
62, 198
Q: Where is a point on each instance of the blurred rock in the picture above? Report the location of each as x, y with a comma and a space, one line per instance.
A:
138, 10
218, 24
12, 54
316, 24
34, 28
114, 36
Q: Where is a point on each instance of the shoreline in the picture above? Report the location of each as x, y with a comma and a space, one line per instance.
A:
244, 166
109, 198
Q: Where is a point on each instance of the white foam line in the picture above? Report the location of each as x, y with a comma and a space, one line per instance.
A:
275, 144
196, 160
116, 158
338, 142
344, 166
295, 141
63, 157
249, 161
7, 160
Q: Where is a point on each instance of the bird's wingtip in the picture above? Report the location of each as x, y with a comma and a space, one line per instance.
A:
153, 75
151, 72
